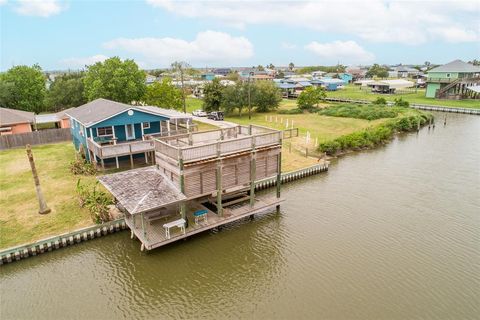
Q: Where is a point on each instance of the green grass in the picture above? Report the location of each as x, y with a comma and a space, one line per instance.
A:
353, 92
193, 104
19, 219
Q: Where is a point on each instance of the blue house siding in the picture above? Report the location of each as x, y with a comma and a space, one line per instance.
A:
154, 127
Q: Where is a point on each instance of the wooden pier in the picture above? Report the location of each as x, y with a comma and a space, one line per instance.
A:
152, 234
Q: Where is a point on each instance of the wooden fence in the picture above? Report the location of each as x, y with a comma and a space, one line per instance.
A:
290, 133
35, 137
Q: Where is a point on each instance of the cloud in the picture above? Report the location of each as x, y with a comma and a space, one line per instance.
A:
208, 47
394, 21
39, 8
455, 34
2, 2
344, 52
83, 61
288, 45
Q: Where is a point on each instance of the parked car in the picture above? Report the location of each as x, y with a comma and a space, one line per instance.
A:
199, 113
216, 115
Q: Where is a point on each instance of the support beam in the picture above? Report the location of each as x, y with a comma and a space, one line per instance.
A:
253, 175
131, 160
183, 211
143, 226
279, 175
219, 188
116, 162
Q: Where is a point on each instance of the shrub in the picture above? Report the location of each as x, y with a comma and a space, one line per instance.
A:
95, 201
367, 112
401, 103
81, 167
380, 101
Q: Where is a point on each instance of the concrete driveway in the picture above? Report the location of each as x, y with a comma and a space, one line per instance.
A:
221, 124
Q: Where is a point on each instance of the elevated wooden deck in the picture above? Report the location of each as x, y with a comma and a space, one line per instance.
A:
155, 237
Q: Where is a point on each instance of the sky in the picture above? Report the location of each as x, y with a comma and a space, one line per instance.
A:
70, 34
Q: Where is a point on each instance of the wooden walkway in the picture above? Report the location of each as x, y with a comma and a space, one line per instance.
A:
155, 237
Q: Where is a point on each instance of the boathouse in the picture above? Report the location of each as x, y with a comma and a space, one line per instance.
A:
201, 180
109, 131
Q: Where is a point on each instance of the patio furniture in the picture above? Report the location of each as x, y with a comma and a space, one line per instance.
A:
180, 223
200, 214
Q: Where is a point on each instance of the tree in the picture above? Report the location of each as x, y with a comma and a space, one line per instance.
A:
116, 80
266, 96
310, 97
23, 88
291, 66
271, 66
182, 68
475, 62
233, 75
235, 97
164, 95
66, 91
212, 93
377, 70
260, 68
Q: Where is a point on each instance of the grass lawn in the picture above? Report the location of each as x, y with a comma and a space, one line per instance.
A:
19, 219
321, 127
353, 92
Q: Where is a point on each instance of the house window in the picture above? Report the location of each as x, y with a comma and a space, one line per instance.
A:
105, 131
448, 75
146, 125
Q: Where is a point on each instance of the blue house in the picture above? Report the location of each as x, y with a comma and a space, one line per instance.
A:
328, 83
208, 76
346, 77
107, 130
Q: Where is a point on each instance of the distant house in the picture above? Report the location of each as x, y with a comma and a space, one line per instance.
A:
108, 130
328, 83
222, 71
451, 80
208, 76
317, 74
59, 119
149, 79
346, 77
390, 86
262, 77
15, 121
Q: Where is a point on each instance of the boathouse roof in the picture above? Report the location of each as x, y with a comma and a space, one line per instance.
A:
142, 190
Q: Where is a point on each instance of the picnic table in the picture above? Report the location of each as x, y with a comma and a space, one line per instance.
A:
180, 223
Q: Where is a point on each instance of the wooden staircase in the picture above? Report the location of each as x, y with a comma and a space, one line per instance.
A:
457, 88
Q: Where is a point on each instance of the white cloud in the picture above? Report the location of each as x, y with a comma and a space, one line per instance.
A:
2, 2
396, 21
40, 8
455, 34
81, 62
344, 52
288, 45
208, 47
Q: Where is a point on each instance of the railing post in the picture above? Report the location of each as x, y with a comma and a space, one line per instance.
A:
253, 173
183, 212
279, 174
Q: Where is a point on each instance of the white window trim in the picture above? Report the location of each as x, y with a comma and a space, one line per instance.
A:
146, 125
105, 135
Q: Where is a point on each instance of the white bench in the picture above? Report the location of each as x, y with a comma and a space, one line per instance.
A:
180, 223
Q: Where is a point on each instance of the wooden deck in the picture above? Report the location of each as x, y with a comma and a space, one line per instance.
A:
154, 236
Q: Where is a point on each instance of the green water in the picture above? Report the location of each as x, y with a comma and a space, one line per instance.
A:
392, 233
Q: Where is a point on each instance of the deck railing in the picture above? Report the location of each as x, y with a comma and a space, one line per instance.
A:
120, 149
204, 145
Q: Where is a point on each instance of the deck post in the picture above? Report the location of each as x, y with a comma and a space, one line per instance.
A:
183, 210
103, 164
131, 156
219, 182
279, 174
116, 161
143, 226
253, 173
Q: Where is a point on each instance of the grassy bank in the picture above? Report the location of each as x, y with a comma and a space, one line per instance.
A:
353, 92
19, 218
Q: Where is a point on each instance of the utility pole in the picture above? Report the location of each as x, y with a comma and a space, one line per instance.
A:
41, 200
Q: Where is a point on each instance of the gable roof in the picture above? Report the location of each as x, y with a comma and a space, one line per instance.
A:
101, 109
457, 66
12, 116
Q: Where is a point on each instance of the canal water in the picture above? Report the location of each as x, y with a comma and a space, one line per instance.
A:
392, 233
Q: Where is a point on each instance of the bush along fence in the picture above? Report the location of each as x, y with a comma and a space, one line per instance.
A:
426, 107
34, 138
292, 176
63, 240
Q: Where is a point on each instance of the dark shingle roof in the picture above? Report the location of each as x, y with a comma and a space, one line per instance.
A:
141, 190
457, 66
12, 116
101, 109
